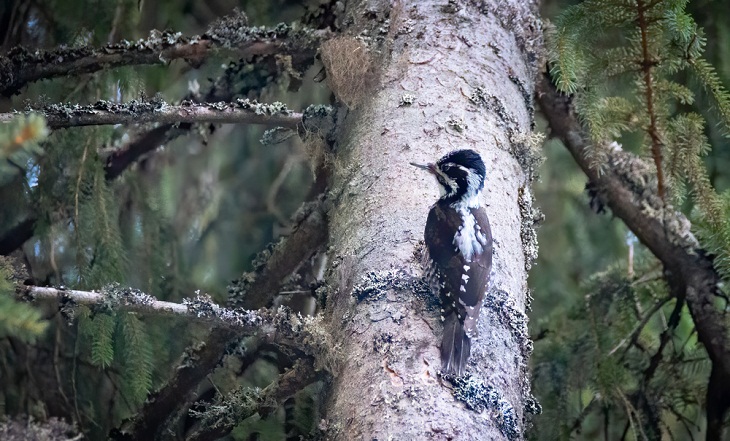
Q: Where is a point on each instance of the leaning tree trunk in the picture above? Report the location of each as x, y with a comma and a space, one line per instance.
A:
454, 75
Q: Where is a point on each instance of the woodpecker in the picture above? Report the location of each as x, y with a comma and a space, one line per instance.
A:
459, 243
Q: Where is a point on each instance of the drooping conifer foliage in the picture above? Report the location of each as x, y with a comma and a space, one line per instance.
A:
627, 361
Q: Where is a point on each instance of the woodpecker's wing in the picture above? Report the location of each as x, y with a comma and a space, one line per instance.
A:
478, 273
464, 282
441, 226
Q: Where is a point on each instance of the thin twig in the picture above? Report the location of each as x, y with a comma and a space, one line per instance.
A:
637, 330
291, 160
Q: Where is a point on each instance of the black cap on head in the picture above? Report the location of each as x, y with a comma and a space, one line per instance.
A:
468, 158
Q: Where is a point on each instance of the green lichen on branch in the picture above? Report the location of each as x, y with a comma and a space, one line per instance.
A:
375, 285
156, 110
279, 326
21, 66
226, 412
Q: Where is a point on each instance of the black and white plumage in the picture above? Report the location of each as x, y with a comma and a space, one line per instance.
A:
459, 243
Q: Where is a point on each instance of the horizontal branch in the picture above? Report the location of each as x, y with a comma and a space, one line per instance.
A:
22, 66
272, 326
121, 158
241, 111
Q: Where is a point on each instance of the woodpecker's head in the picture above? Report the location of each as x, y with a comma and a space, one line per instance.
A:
460, 175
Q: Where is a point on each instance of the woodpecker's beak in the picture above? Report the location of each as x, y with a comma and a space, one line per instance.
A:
428, 167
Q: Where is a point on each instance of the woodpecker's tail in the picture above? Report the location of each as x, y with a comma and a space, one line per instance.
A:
455, 346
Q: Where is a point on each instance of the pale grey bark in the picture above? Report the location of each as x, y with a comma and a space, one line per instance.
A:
269, 324
457, 77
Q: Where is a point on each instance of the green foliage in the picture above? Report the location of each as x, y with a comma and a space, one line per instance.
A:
622, 59
188, 214
639, 75
594, 367
120, 337
99, 329
102, 257
715, 236
20, 320
135, 356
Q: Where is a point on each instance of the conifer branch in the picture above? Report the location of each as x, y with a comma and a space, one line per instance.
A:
258, 289
690, 271
290, 382
139, 112
22, 66
118, 160
197, 362
647, 63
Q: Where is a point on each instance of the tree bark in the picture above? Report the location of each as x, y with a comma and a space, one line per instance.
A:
457, 76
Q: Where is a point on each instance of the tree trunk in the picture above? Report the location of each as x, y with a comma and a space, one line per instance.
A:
456, 76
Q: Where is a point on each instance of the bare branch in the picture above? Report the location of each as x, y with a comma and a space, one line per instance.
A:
120, 159
139, 112
273, 326
22, 66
